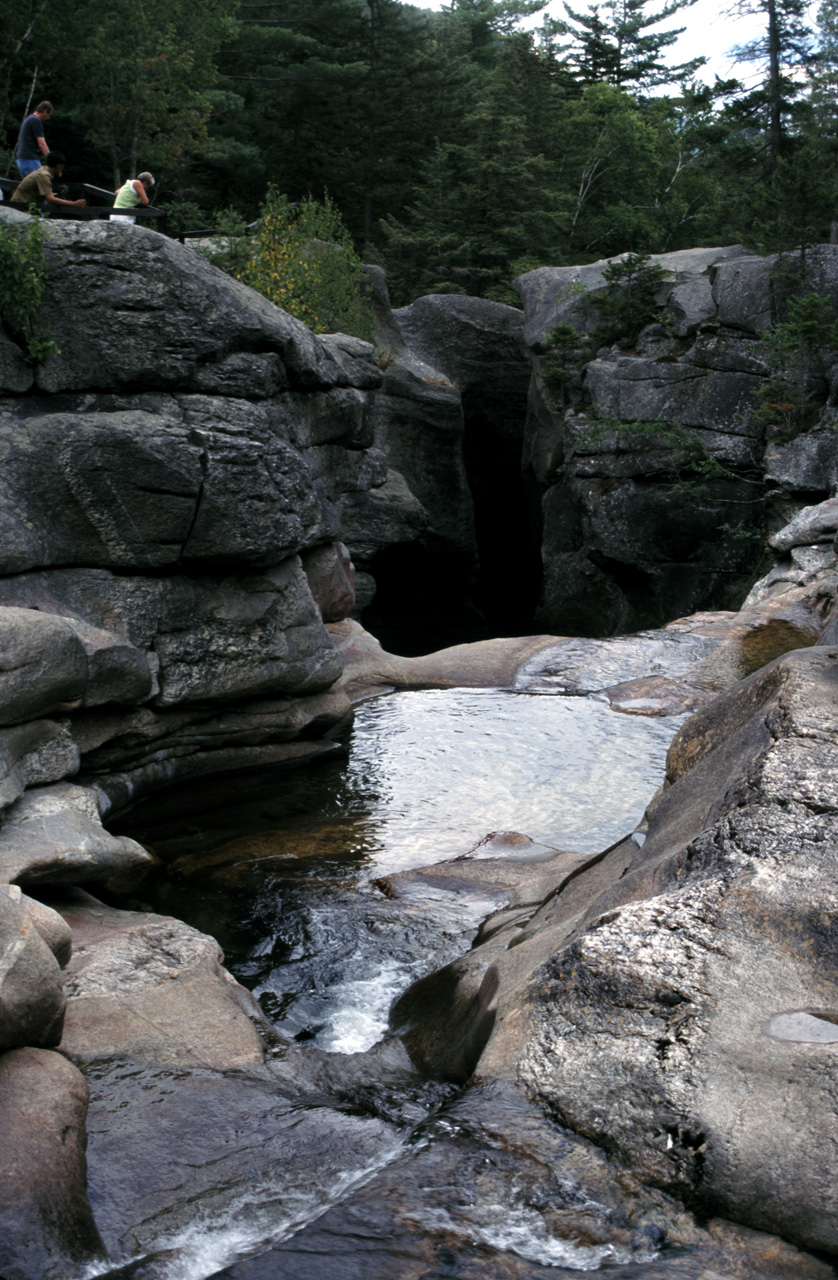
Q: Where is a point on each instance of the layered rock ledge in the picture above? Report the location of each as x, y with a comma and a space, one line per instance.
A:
187, 482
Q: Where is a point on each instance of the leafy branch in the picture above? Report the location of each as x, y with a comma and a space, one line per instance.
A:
795, 350
23, 278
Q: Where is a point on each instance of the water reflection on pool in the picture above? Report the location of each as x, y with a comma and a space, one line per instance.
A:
442, 768
284, 876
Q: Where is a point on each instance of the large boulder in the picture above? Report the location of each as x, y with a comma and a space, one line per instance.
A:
551, 295
50, 663
207, 638
141, 310
47, 1229
43, 666
153, 989
153, 484
54, 835
31, 993
479, 346
676, 1001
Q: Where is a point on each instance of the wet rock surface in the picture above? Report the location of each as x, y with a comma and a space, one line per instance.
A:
636, 1001
47, 1228
185, 484
479, 1195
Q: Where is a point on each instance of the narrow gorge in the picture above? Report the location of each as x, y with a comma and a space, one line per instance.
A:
417, 815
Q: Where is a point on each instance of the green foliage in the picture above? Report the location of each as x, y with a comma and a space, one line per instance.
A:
186, 215
616, 313
23, 279
563, 357
616, 41
302, 259
629, 300
461, 149
738, 531
795, 208
230, 247
795, 349
144, 69
691, 465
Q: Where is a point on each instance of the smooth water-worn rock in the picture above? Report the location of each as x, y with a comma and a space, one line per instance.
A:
54, 930
47, 1228
54, 835
810, 526
495, 1189
31, 991
637, 1002
149, 988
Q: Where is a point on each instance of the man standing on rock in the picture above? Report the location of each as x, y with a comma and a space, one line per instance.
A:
31, 144
37, 186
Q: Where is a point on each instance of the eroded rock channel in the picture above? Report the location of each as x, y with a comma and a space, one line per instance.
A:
511, 959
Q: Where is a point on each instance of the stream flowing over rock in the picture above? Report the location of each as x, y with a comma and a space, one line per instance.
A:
203, 508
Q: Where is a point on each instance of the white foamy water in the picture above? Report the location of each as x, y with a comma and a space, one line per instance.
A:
250, 1222
523, 1231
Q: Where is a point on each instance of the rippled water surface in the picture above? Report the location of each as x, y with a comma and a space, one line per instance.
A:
441, 768
286, 878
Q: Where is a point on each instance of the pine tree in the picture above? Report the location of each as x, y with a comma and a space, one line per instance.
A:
784, 49
614, 42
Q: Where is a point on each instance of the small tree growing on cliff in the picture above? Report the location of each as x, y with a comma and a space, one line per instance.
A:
796, 350
23, 279
304, 261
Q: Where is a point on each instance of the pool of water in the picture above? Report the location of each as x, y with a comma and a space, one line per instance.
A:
342, 1160
285, 876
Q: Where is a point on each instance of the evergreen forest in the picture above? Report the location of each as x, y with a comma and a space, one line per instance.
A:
462, 147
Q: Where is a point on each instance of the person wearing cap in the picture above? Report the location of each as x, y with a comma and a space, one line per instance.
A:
36, 187
31, 143
130, 195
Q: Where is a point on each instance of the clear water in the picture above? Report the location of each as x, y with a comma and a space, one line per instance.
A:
442, 768
428, 775
288, 878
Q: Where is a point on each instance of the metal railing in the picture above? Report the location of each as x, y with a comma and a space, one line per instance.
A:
98, 208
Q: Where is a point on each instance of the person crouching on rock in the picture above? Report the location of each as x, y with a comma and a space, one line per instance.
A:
36, 187
132, 193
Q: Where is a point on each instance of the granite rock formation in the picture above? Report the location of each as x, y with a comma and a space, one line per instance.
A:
187, 480
653, 481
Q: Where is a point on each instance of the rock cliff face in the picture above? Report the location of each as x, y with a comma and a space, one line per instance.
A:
181, 481
630, 536
171, 502
451, 551
169, 474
